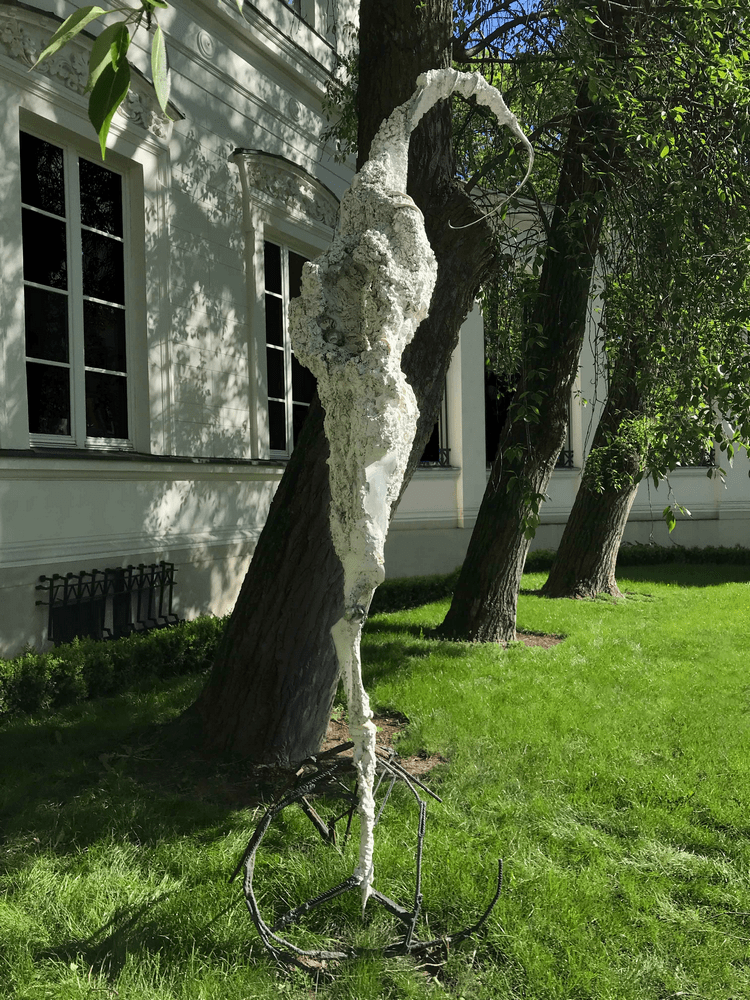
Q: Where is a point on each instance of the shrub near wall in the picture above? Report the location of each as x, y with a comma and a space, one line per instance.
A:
654, 555
87, 668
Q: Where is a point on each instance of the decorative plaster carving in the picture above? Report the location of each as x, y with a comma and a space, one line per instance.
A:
24, 34
206, 44
293, 109
288, 186
137, 108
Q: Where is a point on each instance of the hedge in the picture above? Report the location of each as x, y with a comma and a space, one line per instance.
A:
398, 595
653, 555
87, 668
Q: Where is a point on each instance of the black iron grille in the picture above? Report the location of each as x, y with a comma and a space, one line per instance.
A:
109, 603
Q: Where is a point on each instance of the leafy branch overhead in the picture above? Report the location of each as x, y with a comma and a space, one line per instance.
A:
109, 69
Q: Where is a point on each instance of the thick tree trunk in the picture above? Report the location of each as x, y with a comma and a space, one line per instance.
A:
485, 600
585, 562
586, 558
274, 678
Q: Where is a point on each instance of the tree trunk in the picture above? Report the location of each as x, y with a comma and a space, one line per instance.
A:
585, 562
485, 599
586, 558
272, 684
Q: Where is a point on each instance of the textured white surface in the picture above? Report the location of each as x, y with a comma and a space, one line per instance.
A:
361, 303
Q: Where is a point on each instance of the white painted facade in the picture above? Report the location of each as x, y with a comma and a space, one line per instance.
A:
191, 479
431, 531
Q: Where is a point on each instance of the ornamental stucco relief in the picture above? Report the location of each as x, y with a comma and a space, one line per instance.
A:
24, 34
290, 187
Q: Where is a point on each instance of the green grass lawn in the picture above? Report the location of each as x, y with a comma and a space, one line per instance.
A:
610, 772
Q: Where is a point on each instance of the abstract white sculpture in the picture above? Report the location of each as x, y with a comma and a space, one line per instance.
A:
360, 305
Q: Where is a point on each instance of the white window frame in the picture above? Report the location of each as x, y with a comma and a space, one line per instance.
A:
78, 437
286, 205
285, 348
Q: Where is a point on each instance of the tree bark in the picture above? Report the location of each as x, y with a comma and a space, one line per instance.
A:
586, 558
272, 685
484, 603
585, 562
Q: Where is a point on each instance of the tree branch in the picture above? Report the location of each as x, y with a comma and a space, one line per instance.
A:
463, 54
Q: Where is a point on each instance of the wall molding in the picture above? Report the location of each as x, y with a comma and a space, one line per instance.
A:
105, 550
276, 184
61, 469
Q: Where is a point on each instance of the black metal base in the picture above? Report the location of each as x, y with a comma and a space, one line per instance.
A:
326, 774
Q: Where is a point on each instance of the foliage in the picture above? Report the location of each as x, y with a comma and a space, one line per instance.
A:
410, 592
591, 768
636, 554
674, 255
109, 69
87, 668
676, 312
340, 107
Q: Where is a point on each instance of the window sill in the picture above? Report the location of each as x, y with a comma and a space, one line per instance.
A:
437, 472
55, 463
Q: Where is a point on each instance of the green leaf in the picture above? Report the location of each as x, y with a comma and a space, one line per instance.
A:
160, 69
664, 150
69, 29
108, 94
668, 515
109, 49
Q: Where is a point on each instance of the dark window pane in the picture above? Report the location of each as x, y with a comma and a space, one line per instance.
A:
48, 391
299, 413
106, 405
101, 197
275, 365
277, 425
295, 274
498, 393
46, 324
42, 175
103, 271
272, 264
44, 256
303, 383
104, 337
431, 452
274, 321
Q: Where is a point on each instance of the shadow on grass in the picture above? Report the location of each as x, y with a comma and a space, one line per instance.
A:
384, 659
138, 929
132, 928
112, 767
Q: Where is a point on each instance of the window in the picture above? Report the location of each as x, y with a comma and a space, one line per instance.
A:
291, 387
436, 453
566, 458
74, 256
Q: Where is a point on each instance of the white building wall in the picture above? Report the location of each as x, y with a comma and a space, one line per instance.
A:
195, 482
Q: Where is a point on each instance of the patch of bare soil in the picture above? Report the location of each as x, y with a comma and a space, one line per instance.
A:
389, 725
170, 760
543, 639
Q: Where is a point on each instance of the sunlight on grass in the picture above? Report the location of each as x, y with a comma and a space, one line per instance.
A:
610, 772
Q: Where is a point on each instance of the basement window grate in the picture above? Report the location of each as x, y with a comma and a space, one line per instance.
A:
109, 603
